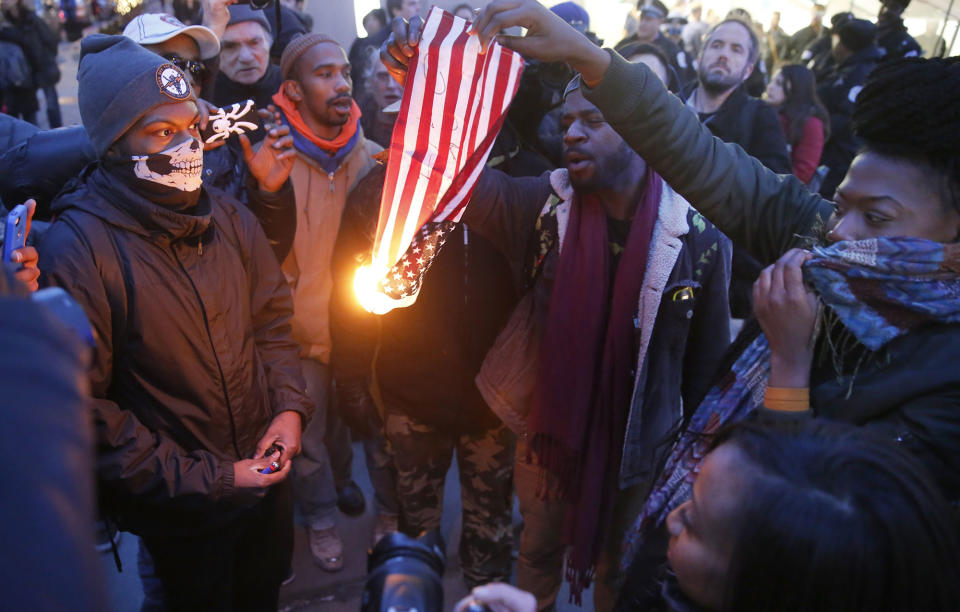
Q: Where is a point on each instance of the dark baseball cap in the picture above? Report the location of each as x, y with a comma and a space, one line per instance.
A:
857, 34
654, 8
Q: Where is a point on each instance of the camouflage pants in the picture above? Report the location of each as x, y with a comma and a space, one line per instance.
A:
422, 456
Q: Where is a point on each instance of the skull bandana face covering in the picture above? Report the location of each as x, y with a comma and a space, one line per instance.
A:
180, 166
170, 178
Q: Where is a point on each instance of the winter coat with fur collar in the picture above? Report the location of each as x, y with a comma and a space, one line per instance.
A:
682, 321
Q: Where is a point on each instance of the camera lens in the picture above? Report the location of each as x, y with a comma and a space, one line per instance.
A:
405, 574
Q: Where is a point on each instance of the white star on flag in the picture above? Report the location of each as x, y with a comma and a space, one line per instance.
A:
454, 104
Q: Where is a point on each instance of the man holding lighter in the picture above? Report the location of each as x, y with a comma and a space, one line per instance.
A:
196, 383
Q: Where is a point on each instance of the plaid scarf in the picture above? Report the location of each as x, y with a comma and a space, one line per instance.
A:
879, 289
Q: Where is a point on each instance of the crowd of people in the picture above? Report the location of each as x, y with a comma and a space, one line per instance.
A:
577, 342
29, 47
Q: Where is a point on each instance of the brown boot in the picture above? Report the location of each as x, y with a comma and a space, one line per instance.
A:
326, 548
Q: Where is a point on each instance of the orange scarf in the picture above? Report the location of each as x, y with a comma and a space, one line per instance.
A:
297, 123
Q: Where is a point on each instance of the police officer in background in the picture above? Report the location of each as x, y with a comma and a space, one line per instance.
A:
855, 54
672, 29
652, 16
892, 36
818, 56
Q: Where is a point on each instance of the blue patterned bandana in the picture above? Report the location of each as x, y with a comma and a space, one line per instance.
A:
879, 288
882, 288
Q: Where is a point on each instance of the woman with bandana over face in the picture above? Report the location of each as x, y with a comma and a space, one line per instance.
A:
858, 310
197, 402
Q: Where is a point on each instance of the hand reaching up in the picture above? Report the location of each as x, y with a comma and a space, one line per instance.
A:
272, 161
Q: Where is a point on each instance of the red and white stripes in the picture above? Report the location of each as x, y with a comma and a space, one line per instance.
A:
454, 104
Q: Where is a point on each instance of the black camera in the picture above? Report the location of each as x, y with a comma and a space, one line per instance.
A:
404, 573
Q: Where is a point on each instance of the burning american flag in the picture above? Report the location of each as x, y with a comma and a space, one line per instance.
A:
454, 104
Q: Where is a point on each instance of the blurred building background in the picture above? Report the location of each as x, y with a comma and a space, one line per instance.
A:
925, 19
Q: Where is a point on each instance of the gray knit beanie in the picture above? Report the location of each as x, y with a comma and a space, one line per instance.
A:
119, 82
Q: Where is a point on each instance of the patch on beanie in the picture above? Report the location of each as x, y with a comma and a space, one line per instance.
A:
172, 82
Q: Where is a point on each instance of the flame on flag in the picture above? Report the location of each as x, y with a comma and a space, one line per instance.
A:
454, 104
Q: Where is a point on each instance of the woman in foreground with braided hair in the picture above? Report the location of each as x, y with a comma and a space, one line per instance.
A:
858, 313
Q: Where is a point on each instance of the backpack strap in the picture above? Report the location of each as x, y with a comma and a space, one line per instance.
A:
113, 273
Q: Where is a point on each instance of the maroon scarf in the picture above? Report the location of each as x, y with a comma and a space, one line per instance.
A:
584, 386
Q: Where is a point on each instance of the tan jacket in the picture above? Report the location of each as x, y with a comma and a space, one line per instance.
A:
320, 201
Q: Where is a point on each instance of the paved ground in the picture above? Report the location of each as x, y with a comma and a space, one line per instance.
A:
313, 589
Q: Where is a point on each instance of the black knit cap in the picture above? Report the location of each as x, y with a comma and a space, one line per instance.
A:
242, 12
840, 18
119, 82
857, 34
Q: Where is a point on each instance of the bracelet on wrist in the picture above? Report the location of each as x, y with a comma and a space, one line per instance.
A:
787, 399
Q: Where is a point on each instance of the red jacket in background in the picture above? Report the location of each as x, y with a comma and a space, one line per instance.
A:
805, 153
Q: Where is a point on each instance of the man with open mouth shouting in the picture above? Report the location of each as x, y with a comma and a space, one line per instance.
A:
195, 373
624, 317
